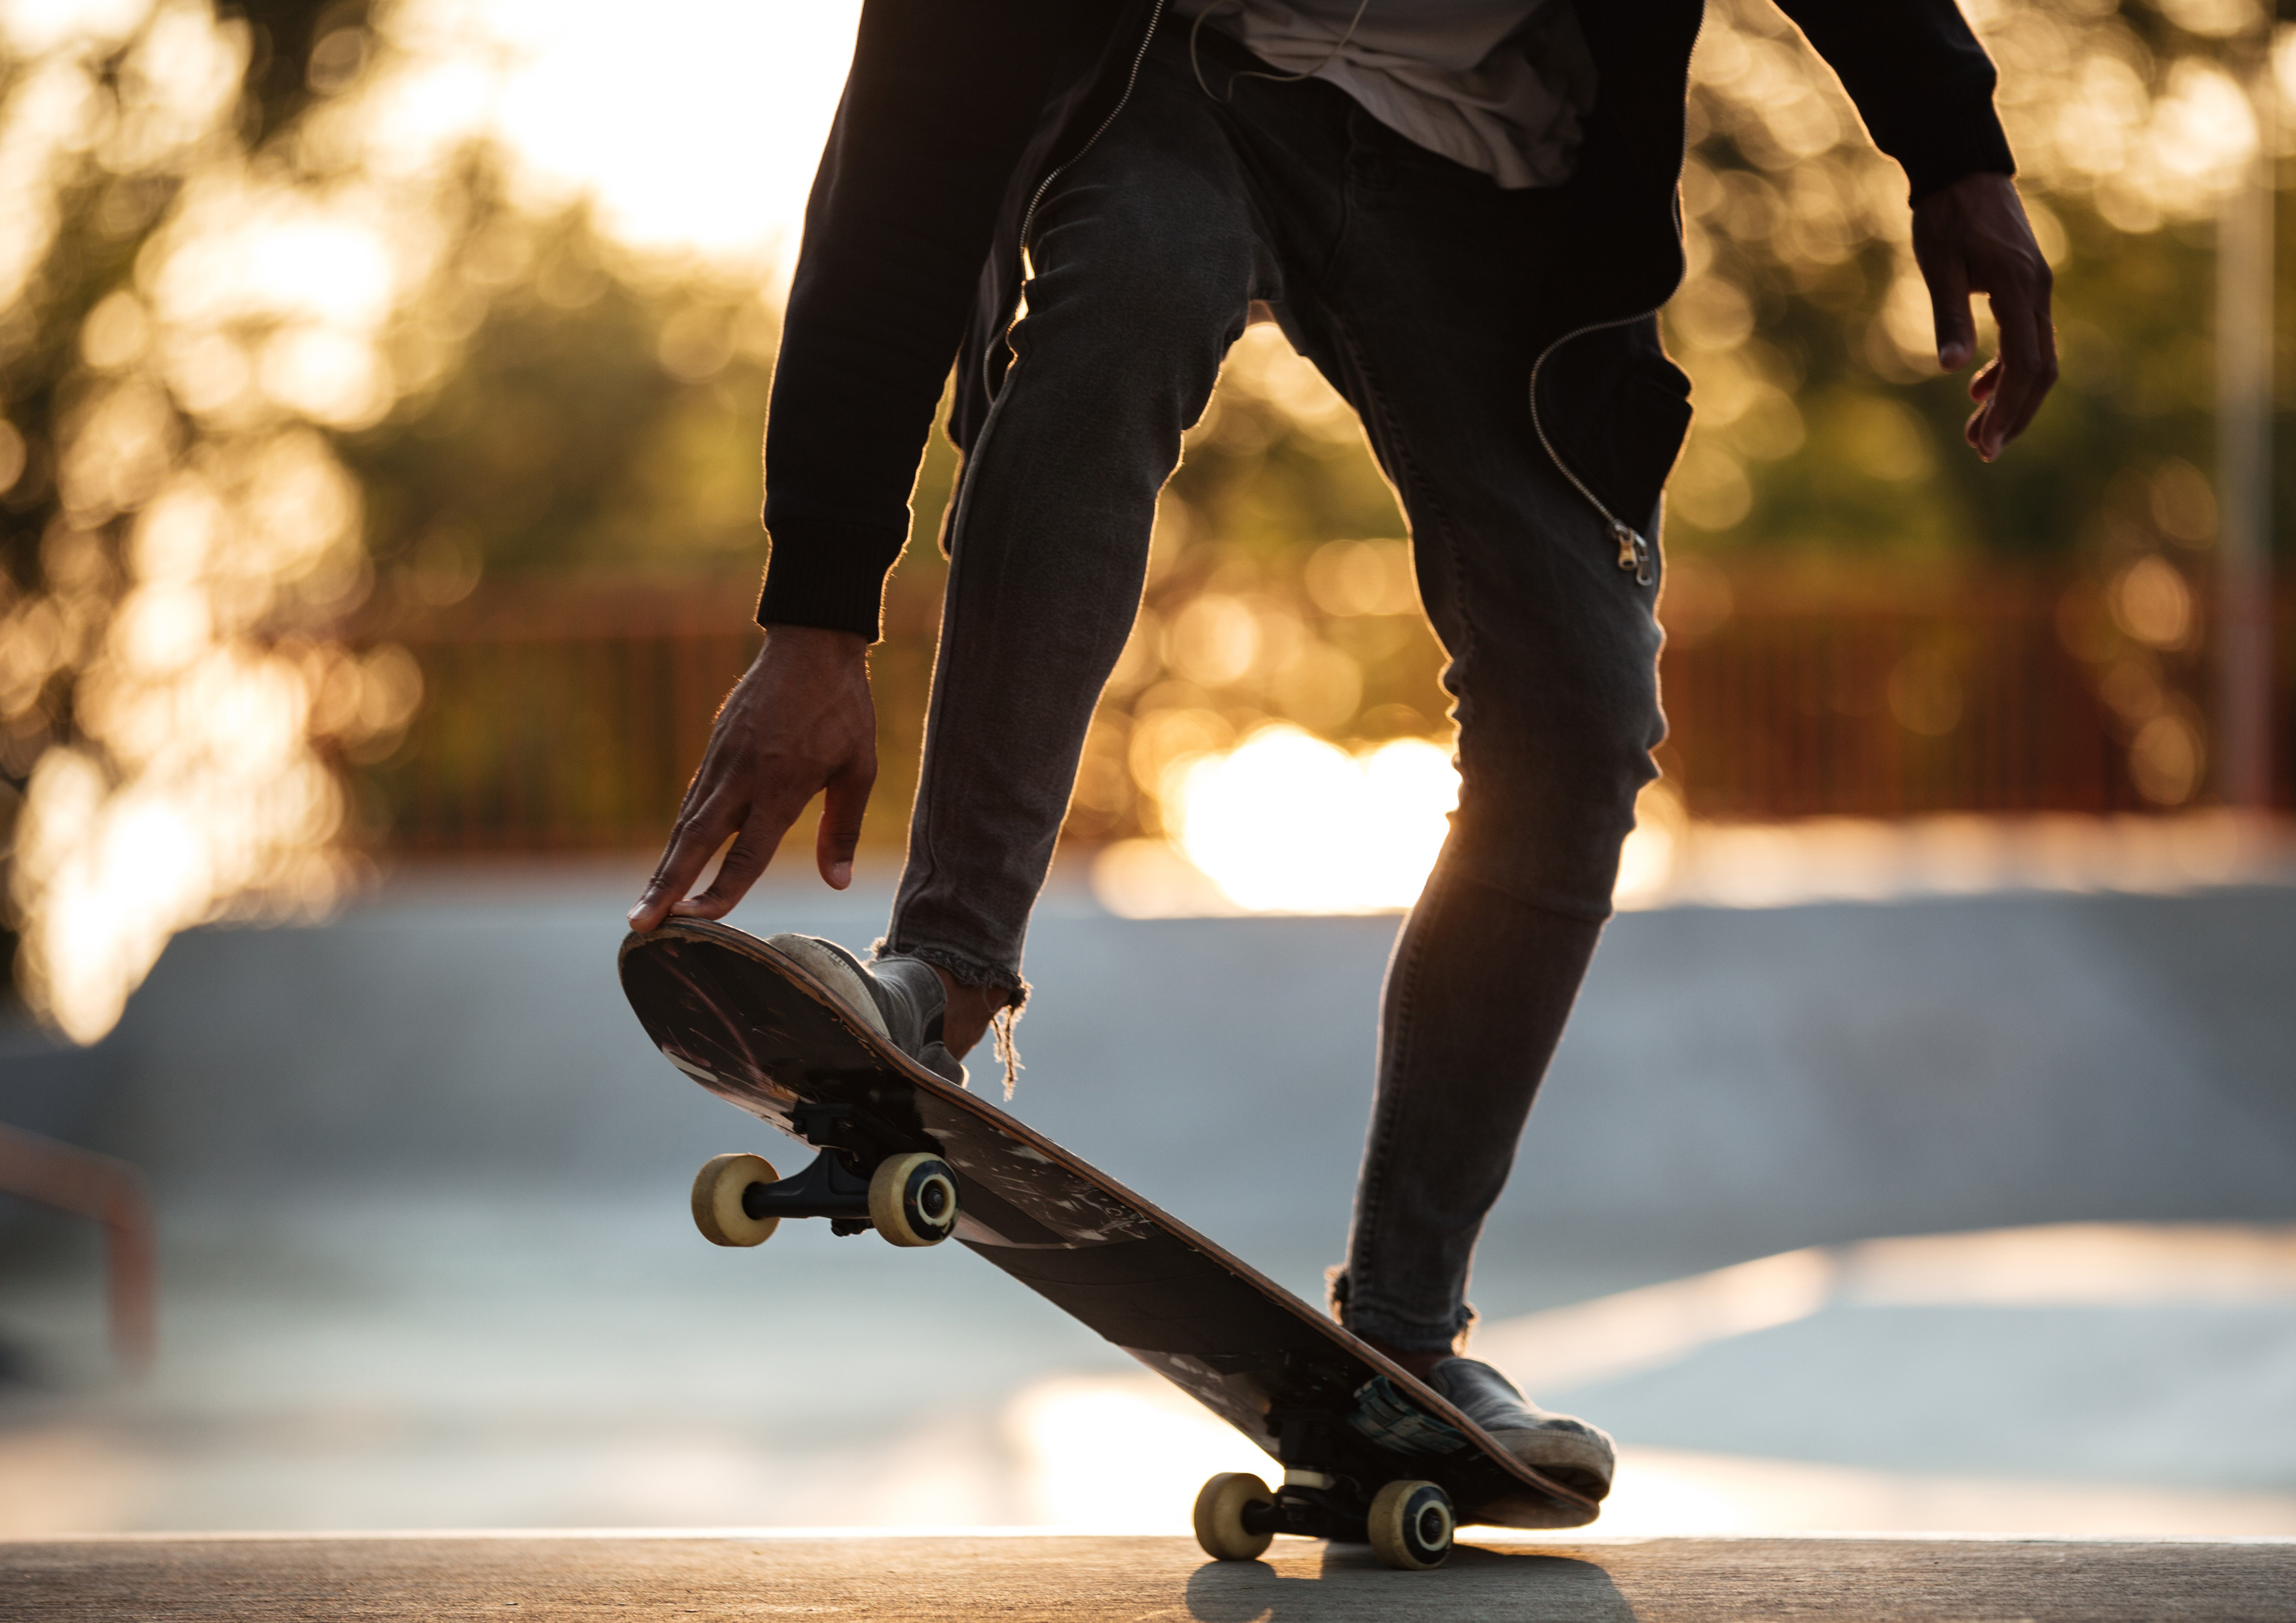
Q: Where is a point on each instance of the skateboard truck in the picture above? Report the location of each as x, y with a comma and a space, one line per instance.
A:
816, 1120
1408, 1523
1313, 1500
828, 1187
910, 1198
825, 1189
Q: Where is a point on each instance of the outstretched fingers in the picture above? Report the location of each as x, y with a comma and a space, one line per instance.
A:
2035, 355
2010, 390
703, 823
799, 720
752, 849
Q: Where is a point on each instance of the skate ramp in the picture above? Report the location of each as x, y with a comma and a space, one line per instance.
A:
1736, 1082
427, 1261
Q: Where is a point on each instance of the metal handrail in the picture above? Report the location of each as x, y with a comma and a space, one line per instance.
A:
111, 1193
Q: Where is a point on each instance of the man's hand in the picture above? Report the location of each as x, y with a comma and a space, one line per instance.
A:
798, 722
1972, 237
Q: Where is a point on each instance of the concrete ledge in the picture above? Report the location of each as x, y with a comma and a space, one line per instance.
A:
890, 1578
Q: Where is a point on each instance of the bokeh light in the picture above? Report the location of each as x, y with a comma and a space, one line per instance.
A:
1289, 823
694, 130
175, 676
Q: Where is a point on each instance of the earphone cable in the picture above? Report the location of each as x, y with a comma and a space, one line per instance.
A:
1330, 57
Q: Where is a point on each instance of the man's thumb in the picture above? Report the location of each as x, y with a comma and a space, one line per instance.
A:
1956, 333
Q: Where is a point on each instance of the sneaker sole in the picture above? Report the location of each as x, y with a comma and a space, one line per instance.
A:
1585, 1464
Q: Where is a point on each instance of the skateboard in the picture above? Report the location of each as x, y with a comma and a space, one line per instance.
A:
1369, 1454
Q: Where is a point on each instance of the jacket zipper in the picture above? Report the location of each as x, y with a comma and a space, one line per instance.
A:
1634, 553
1131, 79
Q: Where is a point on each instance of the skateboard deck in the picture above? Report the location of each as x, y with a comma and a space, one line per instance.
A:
753, 1027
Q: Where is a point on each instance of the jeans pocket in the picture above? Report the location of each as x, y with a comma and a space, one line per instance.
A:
1617, 420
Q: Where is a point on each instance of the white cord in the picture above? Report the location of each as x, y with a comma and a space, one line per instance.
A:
1274, 78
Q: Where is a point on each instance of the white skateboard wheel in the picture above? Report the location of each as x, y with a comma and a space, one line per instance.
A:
717, 1190
1411, 1524
1219, 1516
913, 1200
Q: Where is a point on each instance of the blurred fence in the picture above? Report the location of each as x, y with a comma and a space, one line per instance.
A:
561, 719
2007, 696
558, 719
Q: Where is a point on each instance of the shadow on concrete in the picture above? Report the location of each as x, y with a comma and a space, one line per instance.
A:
1474, 1583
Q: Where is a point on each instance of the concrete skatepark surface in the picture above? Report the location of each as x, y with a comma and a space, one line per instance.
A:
1083, 1580
426, 1262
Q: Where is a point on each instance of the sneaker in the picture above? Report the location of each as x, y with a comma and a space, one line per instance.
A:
1573, 1453
900, 999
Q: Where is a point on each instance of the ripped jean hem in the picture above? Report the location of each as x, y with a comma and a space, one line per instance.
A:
1399, 1331
967, 970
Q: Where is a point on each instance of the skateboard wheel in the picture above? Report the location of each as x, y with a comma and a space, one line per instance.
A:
1219, 1516
1411, 1524
913, 1200
717, 1190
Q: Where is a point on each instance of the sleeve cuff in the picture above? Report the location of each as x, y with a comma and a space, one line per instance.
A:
829, 576
1969, 145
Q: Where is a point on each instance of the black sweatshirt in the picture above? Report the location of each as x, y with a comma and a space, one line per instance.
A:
955, 110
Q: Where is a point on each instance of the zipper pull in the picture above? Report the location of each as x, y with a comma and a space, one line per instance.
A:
1633, 553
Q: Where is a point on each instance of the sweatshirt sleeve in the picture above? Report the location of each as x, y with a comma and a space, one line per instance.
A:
937, 110
1920, 79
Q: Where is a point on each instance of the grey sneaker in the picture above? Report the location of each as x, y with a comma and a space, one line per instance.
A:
900, 999
1573, 1453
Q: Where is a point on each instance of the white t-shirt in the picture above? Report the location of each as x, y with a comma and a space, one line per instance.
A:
1500, 85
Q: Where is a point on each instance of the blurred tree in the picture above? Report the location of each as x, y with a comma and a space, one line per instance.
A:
298, 51
601, 413
1828, 449
1807, 330
108, 121
224, 279
271, 387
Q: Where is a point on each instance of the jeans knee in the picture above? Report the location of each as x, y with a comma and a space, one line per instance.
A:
1136, 301
1589, 751
1544, 817
1126, 331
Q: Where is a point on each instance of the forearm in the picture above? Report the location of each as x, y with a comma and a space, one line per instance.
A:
942, 100
1920, 79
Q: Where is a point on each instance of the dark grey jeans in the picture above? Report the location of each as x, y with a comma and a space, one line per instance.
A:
1406, 279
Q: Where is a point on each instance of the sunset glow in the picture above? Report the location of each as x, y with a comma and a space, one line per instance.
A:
694, 128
